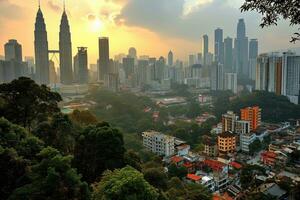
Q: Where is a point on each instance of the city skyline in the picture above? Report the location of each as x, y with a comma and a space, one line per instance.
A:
116, 25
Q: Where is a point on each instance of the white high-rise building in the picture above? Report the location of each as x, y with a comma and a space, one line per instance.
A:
291, 77
159, 143
231, 82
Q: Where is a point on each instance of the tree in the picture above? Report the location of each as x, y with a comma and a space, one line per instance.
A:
13, 170
273, 10
175, 171
24, 101
53, 178
124, 184
132, 159
156, 177
248, 175
255, 146
197, 191
83, 118
59, 133
98, 148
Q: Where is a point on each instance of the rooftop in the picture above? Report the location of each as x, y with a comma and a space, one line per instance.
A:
193, 177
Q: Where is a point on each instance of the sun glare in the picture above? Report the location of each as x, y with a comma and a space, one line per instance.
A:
96, 25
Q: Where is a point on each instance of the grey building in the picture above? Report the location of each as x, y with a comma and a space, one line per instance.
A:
241, 50
205, 49
219, 46
170, 59
41, 49
81, 66
65, 49
228, 55
13, 51
253, 54
103, 58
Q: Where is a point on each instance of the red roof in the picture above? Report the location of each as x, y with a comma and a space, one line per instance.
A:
214, 164
176, 159
269, 154
188, 165
236, 165
193, 177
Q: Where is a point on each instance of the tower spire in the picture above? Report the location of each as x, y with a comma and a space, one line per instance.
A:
64, 4
39, 3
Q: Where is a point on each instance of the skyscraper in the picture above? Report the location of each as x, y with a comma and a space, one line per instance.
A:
13, 51
81, 66
205, 49
103, 57
253, 54
228, 55
132, 53
41, 49
230, 82
241, 50
219, 46
170, 58
128, 66
65, 49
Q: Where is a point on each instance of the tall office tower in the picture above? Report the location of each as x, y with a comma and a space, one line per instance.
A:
52, 72
41, 50
103, 57
13, 51
160, 67
65, 49
81, 66
228, 55
241, 49
252, 114
262, 72
93, 73
128, 66
170, 58
205, 49
219, 46
192, 60
228, 121
253, 54
144, 74
291, 77
31, 66
132, 53
217, 76
199, 58
231, 82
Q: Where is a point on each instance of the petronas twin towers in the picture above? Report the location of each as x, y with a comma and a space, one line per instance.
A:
42, 51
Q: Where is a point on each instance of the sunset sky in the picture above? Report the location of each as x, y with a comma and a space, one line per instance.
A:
152, 26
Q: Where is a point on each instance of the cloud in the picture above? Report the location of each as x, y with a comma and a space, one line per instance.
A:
10, 11
53, 6
187, 19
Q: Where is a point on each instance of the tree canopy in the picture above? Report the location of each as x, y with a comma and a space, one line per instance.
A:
124, 184
273, 10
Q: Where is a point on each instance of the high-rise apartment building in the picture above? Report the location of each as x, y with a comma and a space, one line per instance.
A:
228, 121
205, 49
103, 57
13, 51
228, 55
253, 54
230, 82
41, 49
217, 76
81, 66
170, 59
65, 50
128, 66
252, 114
219, 46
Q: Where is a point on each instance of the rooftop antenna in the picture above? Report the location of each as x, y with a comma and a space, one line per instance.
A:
64, 2
39, 3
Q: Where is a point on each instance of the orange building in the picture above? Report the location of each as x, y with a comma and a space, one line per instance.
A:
252, 114
226, 142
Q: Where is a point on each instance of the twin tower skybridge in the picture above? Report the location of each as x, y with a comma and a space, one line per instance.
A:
53, 55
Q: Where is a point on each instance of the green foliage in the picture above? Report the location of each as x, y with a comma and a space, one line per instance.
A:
98, 148
132, 159
156, 177
255, 146
24, 101
53, 178
124, 184
248, 173
12, 171
175, 171
59, 132
83, 118
197, 191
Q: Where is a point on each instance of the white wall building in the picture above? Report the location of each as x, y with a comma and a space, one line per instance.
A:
231, 82
246, 140
159, 143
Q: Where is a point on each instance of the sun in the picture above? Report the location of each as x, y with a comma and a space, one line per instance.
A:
96, 25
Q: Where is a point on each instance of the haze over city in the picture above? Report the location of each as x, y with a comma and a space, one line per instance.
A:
152, 27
